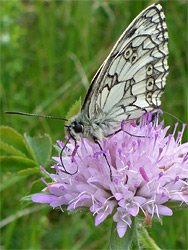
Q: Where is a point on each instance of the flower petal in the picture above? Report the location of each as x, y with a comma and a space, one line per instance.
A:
43, 198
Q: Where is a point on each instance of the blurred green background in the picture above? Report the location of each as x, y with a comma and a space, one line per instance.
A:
49, 52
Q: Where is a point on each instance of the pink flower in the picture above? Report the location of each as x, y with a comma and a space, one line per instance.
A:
149, 171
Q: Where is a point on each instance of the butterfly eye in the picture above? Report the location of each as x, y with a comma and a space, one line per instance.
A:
78, 127
149, 69
128, 52
133, 57
150, 83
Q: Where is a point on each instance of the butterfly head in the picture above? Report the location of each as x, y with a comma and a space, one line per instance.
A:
75, 129
79, 126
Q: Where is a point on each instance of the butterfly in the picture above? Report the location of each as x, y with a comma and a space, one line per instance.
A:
130, 81
128, 84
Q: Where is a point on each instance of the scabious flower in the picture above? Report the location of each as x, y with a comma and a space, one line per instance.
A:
149, 171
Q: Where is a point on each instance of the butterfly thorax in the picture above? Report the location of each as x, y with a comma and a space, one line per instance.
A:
94, 129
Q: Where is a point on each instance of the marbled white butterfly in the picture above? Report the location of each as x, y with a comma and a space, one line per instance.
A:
130, 81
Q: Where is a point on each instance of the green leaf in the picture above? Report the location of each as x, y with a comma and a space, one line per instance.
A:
14, 164
74, 109
57, 148
117, 243
38, 185
12, 142
29, 171
40, 148
27, 198
10, 149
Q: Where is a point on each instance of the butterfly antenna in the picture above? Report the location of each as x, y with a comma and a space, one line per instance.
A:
43, 116
173, 116
61, 156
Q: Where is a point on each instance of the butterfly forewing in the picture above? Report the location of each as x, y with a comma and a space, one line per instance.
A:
132, 78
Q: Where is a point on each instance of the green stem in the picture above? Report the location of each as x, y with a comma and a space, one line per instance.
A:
146, 240
135, 244
132, 239
129, 240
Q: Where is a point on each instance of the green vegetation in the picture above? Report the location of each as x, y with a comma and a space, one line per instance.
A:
49, 52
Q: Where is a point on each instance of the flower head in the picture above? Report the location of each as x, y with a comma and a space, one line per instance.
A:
149, 168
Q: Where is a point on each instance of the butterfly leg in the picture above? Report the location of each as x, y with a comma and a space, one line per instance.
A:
139, 136
61, 156
97, 142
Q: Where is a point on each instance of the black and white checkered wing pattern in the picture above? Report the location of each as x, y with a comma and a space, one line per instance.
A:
131, 80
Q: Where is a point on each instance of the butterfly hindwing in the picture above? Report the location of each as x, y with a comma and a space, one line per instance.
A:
132, 78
